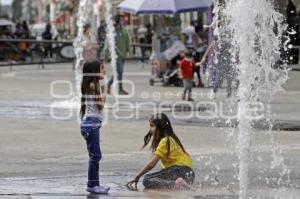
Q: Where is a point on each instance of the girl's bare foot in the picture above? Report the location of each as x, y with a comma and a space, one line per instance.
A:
180, 183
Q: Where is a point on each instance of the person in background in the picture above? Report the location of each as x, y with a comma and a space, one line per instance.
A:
101, 36
149, 38
122, 48
224, 69
149, 34
189, 31
18, 31
186, 72
199, 50
141, 35
25, 30
47, 35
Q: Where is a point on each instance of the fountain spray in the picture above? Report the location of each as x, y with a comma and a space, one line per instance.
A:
256, 31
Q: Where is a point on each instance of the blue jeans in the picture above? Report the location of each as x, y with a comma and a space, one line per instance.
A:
120, 70
90, 130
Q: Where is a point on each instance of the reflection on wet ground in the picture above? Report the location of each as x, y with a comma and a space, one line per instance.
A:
40, 163
182, 114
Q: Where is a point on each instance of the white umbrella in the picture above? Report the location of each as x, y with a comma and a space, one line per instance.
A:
163, 6
5, 22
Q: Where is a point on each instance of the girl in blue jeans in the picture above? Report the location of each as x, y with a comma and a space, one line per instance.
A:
92, 103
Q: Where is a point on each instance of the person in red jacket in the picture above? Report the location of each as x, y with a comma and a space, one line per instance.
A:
186, 73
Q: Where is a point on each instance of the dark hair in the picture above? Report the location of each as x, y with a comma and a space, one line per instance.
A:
48, 27
117, 18
86, 27
198, 29
90, 85
18, 25
164, 130
188, 54
25, 25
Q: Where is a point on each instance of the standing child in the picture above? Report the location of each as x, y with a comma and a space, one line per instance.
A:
92, 103
176, 163
186, 73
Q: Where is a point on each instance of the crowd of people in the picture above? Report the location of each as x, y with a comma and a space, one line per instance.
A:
197, 52
18, 51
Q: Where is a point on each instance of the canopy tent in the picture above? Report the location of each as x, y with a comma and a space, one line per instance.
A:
5, 22
163, 6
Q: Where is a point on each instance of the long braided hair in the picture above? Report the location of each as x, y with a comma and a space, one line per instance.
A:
164, 129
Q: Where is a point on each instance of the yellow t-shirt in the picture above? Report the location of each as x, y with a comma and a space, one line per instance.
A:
176, 155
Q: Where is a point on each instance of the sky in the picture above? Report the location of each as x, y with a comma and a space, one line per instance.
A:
6, 2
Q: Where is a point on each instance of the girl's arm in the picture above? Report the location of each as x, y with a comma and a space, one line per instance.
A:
180, 72
206, 54
150, 165
103, 94
103, 88
92, 46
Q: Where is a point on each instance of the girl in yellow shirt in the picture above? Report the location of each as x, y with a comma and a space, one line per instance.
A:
176, 163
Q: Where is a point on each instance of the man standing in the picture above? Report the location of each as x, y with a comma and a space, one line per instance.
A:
141, 35
47, 35
122, 47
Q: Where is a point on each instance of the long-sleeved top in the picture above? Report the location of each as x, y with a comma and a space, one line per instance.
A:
122, 44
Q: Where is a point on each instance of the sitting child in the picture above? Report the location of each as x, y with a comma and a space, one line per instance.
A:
176, 163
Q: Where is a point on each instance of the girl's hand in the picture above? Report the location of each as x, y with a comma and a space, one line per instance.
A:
202, 62
198, 64
132, 185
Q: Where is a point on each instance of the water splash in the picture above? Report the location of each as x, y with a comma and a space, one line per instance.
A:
255, 30
85, 16
85, 12
110, 34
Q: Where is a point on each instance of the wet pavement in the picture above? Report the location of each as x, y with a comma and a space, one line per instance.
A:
43, 157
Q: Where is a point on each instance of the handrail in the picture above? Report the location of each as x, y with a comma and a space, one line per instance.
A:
35, 41
34, 54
